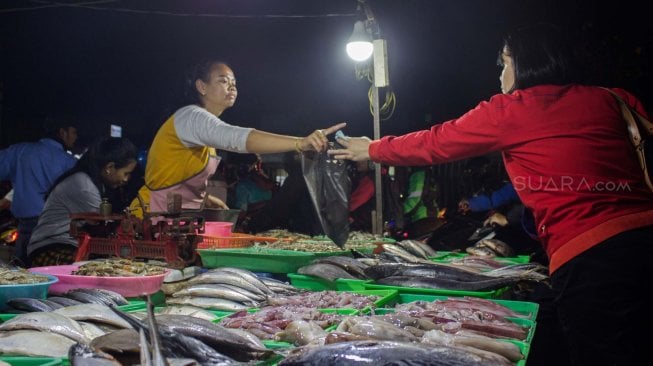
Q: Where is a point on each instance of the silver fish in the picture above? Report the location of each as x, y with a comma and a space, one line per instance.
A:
214, 335
367, 353
498, 246
47, 322
24, 342
188, 310
94, 312
327, 271
249, 276
229, 278
220, 291
85, 355
207, 303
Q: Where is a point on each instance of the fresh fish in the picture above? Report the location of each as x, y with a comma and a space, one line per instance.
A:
413, 248
64, 301
497, 246
94, 312
119, 341
430, 252
481, 251
301, 333
401, 253
53, 304
375, 328
279, 287
229, 278
367, 353
441, 283
349, 264
34, 343
220, 291
207, 303
463, 338
29, 304
249, 336
249, 276
86, 297
423, 270
188, 310
155, 338
117, 298
47, 322
326, 271
91, 330
84, 355
526, 271
174, 345
214, 335
102, 296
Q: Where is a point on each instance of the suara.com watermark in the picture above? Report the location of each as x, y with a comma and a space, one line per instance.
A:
568, 183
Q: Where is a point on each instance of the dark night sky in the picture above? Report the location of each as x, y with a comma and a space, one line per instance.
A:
122, 61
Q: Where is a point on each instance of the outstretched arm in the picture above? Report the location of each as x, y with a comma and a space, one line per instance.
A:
355, 148
262, 142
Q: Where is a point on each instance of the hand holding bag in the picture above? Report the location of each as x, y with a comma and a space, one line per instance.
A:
640, 131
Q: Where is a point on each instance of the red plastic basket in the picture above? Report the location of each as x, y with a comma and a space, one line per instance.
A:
127, 248
236, 240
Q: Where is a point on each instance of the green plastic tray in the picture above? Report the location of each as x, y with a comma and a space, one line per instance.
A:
320, 284
524, 345
32, 361
528, 309
427, 291
256, 259
447, 257
134, 305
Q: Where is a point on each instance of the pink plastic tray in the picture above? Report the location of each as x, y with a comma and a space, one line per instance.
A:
126, 286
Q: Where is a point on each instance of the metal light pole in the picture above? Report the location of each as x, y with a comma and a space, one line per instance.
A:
360, 49
377, 215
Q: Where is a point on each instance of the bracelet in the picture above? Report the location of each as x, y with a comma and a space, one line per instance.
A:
297, 147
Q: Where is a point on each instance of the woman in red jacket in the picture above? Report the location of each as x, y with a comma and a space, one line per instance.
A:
568, 155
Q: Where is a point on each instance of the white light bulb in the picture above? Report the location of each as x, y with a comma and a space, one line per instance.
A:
359, 51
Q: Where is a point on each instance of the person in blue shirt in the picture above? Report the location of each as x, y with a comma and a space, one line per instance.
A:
32, 168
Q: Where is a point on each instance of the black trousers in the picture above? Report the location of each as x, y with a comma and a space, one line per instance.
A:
599, 297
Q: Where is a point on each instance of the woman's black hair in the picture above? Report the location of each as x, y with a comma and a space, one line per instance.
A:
542, 54
200, 70
102, 151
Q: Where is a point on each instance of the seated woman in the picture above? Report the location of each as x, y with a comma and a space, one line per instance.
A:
106, 165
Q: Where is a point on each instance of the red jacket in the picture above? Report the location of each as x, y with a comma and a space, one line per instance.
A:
566, 151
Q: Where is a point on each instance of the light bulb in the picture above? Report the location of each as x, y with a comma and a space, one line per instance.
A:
359, 47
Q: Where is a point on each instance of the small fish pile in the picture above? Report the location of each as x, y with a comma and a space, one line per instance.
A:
448, 277
471, 327
333, 267
372, 352
20, 276
325, 300
271, 320
491, 247
228, 289
56, 331
181, 339
357, 240
71, 297
118, 268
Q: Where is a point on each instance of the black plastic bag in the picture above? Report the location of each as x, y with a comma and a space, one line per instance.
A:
329, 186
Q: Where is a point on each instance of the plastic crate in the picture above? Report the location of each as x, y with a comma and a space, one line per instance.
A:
318, 284
33, 361
236, 240
127, 248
